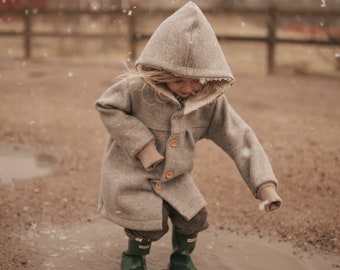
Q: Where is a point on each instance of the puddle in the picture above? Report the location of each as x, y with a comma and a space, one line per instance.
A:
22, 162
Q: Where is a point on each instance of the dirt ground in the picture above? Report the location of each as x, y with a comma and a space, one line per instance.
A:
49, 106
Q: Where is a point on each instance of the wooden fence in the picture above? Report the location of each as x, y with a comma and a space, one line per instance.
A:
270, 39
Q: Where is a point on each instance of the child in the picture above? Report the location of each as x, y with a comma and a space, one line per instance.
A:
154, 117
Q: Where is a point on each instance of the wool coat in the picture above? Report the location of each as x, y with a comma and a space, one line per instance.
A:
136, 112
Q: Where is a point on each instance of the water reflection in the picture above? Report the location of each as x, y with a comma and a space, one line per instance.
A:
21, 162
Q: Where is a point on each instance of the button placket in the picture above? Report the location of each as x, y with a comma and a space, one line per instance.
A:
173, 142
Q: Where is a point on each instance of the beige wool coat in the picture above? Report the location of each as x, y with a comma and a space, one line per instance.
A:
133, 114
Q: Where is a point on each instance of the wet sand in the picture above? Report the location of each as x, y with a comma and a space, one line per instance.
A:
98, 245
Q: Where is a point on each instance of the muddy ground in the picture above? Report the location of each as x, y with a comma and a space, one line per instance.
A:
49, 106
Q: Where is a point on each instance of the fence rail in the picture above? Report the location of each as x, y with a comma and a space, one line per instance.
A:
270, 39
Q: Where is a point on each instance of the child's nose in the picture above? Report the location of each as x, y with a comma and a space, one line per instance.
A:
188, 87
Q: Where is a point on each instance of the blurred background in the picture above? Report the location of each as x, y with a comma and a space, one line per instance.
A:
257, 36
57, 57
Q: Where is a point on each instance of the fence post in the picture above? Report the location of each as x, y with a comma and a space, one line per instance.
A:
271, 38
27, 32
132, 37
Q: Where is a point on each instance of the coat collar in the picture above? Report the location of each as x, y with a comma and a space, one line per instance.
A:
193, 102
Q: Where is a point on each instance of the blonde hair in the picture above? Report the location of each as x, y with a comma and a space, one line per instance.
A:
159, 77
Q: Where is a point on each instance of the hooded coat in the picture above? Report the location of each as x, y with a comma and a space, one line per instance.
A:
133, 114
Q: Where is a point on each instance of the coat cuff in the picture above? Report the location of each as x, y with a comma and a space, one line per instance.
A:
150, 157
267, 194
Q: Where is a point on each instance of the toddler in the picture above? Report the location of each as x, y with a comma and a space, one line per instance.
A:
154, 116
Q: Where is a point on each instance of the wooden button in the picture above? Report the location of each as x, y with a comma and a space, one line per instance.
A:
158, 185
169, 175
177, 117
173, 143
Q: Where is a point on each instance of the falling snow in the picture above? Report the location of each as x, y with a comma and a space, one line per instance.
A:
246, 152
70, 74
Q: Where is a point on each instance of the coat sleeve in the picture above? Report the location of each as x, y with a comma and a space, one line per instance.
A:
115, 108
239, 141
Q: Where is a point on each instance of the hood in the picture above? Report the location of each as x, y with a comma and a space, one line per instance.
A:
186, 45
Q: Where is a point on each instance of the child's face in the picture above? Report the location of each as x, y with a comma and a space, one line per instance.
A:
184, 87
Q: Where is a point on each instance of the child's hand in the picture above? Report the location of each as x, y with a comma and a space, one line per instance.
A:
270, 199
150, 157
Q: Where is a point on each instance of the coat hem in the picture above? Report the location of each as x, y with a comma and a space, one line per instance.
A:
140, 225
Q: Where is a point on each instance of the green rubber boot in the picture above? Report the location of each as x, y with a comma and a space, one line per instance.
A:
133, 258
183, 246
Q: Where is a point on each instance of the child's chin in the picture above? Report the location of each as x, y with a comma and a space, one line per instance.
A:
184, 95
